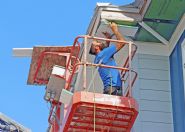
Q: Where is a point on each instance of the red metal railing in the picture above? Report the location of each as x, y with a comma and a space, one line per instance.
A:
73, 50
74, 61
39, 63
91, 64
133, 81
126, 64
75, 58
124, 69
68, 81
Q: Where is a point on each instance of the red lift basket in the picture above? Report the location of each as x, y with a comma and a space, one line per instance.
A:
99, 112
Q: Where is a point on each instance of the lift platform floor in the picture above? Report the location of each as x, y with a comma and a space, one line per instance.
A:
99, 112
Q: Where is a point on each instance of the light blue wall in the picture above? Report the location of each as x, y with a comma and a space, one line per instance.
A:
153, 87
177, 87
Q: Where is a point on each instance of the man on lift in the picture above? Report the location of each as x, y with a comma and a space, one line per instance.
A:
110, 77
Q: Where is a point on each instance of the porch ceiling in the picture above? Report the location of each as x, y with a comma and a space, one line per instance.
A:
163, 16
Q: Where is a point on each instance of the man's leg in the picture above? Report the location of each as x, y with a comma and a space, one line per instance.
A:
113, 91
119, 92
110, 90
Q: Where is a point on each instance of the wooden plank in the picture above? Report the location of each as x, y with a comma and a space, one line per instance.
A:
152, 48
153, 57
157, 127
157, 106
124, 30
155, 95
153, 74
158, 117
116, 16
153, 64
158, 85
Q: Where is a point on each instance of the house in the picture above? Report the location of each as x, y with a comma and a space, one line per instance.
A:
157, 27
160, 58
9, 125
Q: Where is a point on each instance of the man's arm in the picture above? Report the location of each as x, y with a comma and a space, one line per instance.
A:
118, 35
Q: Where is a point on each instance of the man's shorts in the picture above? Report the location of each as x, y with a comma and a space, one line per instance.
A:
113, 90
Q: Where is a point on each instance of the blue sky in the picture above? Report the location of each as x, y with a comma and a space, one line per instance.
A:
24, 24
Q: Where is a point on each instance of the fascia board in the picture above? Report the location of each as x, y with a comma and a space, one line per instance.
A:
122, 9
116, 16
22, 52
124, 30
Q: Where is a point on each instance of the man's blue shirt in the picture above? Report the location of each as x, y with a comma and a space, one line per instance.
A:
109, 76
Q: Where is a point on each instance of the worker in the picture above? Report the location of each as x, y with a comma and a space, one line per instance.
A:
110, 77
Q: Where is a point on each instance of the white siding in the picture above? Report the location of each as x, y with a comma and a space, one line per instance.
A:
156, 127
154, 94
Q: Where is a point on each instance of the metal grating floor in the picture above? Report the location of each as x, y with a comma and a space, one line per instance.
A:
86, 115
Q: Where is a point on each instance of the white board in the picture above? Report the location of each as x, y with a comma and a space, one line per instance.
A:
124, 30
183, 62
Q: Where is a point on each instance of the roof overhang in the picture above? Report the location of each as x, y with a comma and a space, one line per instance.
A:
133, 17
129, 14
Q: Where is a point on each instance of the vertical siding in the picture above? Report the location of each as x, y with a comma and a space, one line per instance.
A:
153, 94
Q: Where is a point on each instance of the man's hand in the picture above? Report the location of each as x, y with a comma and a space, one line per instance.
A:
118, 35
114, 27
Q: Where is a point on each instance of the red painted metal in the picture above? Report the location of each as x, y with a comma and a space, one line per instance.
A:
72, 51
113, 113
133, 81
68, 80
91, 64
39, 63
126, 64
56, 122
50, 114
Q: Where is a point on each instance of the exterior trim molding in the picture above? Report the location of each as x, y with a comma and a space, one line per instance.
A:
154, 33
177, 33
177, 86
